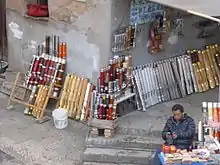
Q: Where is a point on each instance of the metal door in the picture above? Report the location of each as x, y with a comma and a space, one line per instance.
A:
3, 31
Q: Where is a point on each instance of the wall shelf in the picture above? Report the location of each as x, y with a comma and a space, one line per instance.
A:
37, 18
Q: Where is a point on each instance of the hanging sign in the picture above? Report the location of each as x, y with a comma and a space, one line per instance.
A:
143, 11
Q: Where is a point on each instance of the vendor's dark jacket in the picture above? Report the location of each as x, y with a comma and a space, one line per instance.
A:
185, 131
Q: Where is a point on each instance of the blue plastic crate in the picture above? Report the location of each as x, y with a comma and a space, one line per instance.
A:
163, 163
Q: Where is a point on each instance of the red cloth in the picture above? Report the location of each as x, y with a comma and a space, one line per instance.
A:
37, 10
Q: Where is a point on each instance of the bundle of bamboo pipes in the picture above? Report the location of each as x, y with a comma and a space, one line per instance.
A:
116, 76
103, 106
197, 71
75, 97
125, 39
206, 65
40, 101
211, 118
43, 64
39, 97
114, 82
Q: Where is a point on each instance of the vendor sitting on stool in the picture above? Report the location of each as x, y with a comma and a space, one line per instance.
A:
179, 130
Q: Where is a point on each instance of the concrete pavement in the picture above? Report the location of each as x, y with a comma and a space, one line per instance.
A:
6, 159
42, 144
39, 144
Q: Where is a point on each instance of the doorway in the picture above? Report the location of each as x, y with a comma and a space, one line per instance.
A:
3, 32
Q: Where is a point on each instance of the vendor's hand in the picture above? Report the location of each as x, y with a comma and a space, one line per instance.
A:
168, 135
174, 135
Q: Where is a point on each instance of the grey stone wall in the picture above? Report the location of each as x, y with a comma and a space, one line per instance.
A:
84, 26
87, 28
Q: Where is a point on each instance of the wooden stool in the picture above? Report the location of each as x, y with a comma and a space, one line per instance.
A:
104, 128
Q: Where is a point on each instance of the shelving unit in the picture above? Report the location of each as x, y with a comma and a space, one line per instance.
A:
38, 106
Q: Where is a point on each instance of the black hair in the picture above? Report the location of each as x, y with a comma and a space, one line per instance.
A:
177, 107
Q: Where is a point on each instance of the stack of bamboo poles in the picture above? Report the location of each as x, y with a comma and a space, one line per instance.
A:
75, 97
37, 100
39, 97
206, 65
197, 71
40, 101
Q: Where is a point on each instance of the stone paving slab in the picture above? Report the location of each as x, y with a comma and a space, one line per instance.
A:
125, 142
93, 163
118, 156
147, 132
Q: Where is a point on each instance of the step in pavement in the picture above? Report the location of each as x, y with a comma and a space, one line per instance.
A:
118, 156
125, 142
139, 132
94, 163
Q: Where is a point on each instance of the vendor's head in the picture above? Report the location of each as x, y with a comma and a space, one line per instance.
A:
178, 111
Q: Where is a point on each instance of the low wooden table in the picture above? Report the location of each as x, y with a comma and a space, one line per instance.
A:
213, 162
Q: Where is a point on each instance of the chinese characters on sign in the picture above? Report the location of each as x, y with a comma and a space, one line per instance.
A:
143, 11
